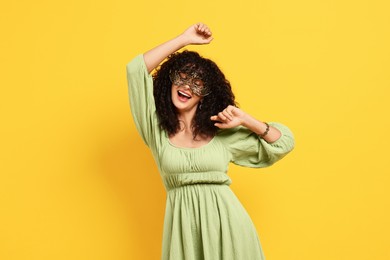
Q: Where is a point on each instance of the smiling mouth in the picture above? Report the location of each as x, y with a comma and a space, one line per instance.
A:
182, 94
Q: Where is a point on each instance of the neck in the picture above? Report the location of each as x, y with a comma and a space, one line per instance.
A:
186, 117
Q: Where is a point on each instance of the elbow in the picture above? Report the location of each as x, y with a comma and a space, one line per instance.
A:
289, 143
286, 142
135, 65
131, 67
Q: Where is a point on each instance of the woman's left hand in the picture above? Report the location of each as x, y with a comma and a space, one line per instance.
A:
230, 117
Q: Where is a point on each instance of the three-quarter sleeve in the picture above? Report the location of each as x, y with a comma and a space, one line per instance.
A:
140, 87
249, 150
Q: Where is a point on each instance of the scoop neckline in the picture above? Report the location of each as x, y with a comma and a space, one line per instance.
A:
188, 148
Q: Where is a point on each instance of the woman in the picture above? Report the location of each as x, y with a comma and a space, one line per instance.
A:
186, 114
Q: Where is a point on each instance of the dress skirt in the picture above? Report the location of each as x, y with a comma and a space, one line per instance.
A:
208, 222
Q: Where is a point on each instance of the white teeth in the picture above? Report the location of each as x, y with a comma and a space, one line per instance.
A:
184, 94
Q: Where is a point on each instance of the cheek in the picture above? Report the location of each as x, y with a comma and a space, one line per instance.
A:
196, 99
173, 90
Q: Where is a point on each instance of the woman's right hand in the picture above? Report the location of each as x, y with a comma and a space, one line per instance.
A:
198, 34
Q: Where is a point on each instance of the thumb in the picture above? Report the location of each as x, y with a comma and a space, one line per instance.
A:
207, 40
210, 38
219, 125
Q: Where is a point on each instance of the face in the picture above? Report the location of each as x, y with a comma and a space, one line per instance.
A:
183, 92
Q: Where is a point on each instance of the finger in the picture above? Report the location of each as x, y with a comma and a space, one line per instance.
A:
229, 111
214, 118
220, 125
208, 40
207, 32
227, 114
203, 28
222, 116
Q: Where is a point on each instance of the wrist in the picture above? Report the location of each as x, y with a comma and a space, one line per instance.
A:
266, 130
259, 127
246, 120
183, 40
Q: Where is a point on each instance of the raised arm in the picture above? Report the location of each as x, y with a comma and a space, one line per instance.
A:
196, 34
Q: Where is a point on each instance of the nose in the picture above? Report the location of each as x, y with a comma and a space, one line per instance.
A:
186, 86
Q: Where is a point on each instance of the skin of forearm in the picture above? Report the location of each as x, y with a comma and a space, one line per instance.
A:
259, 128
156, 55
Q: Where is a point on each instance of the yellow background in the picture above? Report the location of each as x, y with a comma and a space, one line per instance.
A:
76, 181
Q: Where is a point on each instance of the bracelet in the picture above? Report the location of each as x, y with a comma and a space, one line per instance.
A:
266, 130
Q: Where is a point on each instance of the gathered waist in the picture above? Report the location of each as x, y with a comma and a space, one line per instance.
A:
172, 181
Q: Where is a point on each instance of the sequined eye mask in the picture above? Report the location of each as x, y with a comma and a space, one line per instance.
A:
191, 80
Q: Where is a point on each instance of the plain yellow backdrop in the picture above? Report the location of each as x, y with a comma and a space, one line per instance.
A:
76, 181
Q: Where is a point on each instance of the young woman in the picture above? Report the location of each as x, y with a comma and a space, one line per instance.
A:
186, 114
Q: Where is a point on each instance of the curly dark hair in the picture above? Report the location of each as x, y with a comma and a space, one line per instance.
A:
220, 97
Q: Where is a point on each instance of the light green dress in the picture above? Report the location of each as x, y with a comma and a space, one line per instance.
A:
204, 220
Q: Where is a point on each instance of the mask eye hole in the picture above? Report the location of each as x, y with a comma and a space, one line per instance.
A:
182, 75
198, 83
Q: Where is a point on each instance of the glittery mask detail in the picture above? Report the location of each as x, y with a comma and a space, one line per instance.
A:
191, 80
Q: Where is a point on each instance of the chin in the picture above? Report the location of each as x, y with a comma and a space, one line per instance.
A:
180, 106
